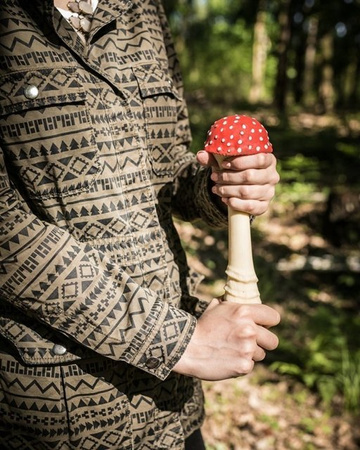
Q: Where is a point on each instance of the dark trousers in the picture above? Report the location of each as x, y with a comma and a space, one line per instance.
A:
195, 441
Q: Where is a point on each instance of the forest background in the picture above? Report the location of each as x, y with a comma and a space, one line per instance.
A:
295, 66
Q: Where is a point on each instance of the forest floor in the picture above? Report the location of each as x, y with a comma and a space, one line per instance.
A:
267, 410
264, 411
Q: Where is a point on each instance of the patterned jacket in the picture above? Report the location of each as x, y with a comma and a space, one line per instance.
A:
94, 164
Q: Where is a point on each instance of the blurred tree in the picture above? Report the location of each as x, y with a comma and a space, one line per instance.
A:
302, 51
259, 54
310, 60
283, 47
326, 87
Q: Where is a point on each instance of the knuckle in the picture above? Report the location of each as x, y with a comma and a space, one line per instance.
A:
248, 331
251, 208
248, 175
244, 310
232, 202
246, 366
270, 193
272, 160
245, 192
263, 159
260, 211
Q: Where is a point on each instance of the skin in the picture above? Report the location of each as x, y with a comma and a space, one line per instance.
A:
229, 337
246, 183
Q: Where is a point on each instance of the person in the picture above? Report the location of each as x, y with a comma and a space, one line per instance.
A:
103, 339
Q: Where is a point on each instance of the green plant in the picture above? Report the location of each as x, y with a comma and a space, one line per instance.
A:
349, 379
327, 359
327, 374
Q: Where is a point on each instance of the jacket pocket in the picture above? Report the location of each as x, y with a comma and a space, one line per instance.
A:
63, 406
160, 100
46, 132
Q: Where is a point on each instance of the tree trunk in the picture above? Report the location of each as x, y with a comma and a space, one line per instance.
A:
310, 58
354, 78
326, 89
281, 82
260, 46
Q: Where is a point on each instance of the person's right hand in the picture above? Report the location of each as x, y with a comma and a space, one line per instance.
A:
229, 338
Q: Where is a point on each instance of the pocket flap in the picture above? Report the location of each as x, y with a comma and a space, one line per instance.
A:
154, 82
20, 91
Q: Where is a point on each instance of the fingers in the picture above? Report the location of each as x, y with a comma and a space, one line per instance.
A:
250, 199
247, 183
207, 159
266, 339
253, 333
258, 161
228, 340
261, 314
261, 171
254, 347
238, 163
259, 355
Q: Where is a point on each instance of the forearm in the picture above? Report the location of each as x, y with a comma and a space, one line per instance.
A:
54, 279
193, 198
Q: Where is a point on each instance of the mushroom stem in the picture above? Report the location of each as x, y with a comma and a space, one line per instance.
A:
241, 284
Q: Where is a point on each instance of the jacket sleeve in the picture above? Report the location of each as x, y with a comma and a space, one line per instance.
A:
192, 196
54, 279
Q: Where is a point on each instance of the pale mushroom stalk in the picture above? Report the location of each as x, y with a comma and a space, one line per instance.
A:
241, 284
236, 136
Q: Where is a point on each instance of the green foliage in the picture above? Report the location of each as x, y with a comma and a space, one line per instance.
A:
328, 360
215, 40
349, 379
219, 58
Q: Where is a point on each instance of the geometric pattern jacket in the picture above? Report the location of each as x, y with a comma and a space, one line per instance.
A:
94, 165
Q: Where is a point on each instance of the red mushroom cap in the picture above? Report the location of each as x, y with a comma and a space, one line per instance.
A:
237, 135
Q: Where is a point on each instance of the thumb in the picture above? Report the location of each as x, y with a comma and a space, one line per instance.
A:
203, 158
214, 302
206, 159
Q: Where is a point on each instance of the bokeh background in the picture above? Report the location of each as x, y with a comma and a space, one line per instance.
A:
295, 66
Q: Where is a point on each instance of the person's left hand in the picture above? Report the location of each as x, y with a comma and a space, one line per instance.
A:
246, 183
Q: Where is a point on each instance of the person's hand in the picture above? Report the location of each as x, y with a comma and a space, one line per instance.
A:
229, 338
246, 183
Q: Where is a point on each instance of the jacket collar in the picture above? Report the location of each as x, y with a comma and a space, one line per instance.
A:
105, 13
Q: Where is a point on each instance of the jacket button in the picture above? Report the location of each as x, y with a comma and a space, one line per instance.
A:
152, 363
31, 91
59, 350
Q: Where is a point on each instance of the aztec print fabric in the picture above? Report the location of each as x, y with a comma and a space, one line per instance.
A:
96, 299
94, 404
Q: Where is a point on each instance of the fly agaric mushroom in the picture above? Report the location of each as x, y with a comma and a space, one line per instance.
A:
228, 137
